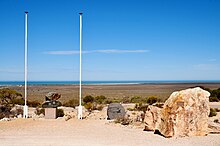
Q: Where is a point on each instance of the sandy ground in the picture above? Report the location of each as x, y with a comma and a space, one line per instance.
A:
41, 132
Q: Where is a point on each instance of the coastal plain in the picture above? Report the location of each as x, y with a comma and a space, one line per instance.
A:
91, 132
111, 91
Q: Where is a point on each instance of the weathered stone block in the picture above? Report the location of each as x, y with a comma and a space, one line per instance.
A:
185, 113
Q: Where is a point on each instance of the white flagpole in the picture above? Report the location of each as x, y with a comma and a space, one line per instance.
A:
25, 114
80, 70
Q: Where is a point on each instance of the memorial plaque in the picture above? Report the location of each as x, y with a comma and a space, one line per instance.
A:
50, 113
51, 104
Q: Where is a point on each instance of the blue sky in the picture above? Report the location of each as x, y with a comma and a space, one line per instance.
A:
122, 39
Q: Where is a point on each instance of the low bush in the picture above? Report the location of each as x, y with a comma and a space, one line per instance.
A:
88, 106
213, 99
40, 111
100, 99
71, 103
33, 103
152, 99
108, 101
130, 109
126, 99
136, 99
4, 111
60, 113
212, 112
19, 101
88, 98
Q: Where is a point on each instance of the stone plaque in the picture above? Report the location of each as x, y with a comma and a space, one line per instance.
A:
50, 113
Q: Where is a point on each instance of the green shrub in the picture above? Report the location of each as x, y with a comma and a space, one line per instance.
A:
108, 101
88, 98
19, 101
60, 113
7, 96
136, 99
130, 109
100, 99
212, 112
88, 106
71, 103
126, 100
4, 111
40, 111
33, 103
151, 100
213, 99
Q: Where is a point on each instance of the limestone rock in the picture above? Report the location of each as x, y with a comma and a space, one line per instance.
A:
185, 113
214, 124
214, 127
152, 118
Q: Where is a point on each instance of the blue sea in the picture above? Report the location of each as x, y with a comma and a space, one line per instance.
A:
14, 83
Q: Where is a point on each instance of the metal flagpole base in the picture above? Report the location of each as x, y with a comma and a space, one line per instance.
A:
79, 112
25, 114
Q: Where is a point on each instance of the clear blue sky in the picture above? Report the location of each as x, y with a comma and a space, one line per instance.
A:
122, 39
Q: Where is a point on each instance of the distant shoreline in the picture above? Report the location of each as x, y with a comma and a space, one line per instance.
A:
21, 83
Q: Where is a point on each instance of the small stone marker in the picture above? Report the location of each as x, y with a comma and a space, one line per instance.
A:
115, 110
51, 104
50, 113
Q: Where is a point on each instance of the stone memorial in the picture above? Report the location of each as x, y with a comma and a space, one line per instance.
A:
50, 105
115, 110
185, 113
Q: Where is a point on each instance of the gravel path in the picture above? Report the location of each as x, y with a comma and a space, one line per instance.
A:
29, 132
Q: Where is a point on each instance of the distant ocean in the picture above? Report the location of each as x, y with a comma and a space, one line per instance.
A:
17, 83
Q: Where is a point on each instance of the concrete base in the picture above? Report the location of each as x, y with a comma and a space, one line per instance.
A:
79, 112
25, 111
50, 113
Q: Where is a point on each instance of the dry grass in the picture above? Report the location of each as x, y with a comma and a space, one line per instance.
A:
162, 91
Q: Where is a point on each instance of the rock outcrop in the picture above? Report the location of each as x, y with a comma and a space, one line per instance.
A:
152, 118
185, 113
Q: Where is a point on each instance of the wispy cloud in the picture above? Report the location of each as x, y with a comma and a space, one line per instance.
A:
10, 71
62, 52
206, 66
95, 51
212, 60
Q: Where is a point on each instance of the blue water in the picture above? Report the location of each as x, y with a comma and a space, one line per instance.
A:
10, 83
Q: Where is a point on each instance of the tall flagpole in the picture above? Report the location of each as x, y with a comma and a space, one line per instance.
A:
25, 114
80, 70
